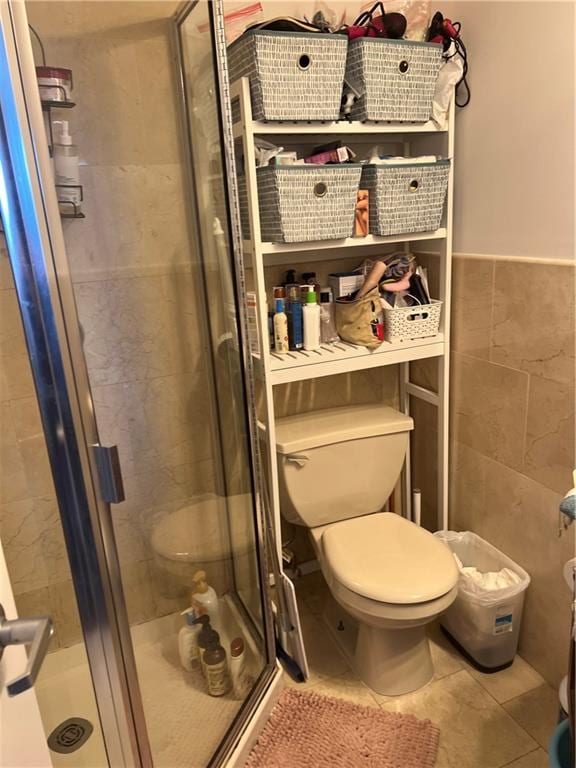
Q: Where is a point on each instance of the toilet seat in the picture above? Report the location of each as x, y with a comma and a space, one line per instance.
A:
385, 558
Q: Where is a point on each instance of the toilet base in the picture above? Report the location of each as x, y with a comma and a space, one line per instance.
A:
391, 662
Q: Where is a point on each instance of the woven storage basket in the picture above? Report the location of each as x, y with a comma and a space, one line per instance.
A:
300, 203
406, 198
395, 78
293, 75
407, 323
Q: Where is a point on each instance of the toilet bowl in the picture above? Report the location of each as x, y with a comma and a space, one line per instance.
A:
337, 468
197, 536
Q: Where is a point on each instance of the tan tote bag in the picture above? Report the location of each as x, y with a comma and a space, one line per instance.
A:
356, 319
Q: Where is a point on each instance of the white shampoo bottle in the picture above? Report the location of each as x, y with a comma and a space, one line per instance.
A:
311, 321
280, 328
66, 167
242, 681
188, 639
206, 596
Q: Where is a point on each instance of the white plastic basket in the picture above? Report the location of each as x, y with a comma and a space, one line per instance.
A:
408, 323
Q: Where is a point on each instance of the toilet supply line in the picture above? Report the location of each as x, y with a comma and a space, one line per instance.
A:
417, 506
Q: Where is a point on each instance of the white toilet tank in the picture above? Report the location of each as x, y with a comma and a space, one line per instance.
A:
339, 463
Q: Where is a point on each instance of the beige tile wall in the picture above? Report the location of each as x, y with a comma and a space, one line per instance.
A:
512, 415
136, 290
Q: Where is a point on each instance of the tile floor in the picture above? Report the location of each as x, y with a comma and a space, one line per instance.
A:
485, 721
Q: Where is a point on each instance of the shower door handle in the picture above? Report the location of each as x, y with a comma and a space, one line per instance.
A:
109, 473
35, 632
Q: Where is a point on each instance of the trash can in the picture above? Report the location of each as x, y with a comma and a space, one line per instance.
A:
484, 623
559, 748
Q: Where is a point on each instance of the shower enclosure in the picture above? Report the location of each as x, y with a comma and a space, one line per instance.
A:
127, 458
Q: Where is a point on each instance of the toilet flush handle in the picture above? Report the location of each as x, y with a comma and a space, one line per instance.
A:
298, 458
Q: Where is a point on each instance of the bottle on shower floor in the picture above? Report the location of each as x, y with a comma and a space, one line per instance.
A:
206, 598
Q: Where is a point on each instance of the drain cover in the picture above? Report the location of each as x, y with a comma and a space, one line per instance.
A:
70, 735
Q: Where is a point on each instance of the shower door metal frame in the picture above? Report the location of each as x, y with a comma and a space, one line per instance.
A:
33, 232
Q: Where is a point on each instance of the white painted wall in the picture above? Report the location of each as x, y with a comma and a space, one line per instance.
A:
515, 142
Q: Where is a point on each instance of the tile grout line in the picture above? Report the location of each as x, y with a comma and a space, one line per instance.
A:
532, 752
492, 310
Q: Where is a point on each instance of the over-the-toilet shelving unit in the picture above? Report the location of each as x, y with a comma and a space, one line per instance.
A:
342, 357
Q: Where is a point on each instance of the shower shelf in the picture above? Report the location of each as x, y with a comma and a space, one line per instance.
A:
68, 208
342, 357
57, 104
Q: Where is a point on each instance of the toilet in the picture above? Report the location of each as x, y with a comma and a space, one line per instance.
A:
196, 537
389, 578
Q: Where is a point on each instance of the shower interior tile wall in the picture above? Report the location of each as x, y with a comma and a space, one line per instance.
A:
133, 275
512, 431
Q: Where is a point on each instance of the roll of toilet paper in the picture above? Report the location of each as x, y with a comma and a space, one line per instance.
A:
570, 572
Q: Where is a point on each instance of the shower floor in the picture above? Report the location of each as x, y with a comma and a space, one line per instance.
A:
185, 724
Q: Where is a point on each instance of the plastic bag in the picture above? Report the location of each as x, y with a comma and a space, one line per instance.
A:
450, 73
474, 551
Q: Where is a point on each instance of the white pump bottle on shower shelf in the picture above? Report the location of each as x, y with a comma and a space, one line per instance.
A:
66, 167
206, 597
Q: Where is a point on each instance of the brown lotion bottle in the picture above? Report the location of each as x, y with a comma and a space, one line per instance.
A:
206, 637
216, 669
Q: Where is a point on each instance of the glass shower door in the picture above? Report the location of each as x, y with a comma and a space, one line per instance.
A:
150, 275
200, 94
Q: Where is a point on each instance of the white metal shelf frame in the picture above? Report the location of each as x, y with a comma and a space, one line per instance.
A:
345, 358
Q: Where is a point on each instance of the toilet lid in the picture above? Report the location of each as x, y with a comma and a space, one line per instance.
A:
387, 558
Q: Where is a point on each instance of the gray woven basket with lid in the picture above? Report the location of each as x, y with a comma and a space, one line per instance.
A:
303, 203
395, 79
293, 75
406, 198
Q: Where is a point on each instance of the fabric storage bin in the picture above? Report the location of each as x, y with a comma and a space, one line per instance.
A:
406, 198
293, 75
485, 624
408, 323
395, 79
300, 203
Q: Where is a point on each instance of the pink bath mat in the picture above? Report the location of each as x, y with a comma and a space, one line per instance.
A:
307, 730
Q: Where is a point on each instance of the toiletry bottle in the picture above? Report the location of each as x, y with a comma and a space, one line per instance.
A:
280, 328
66, 169
241, 680
216, 669
310, 279
206, 596
270, 314
206, 636
328, 332
294, 314
188, 639
311, 316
